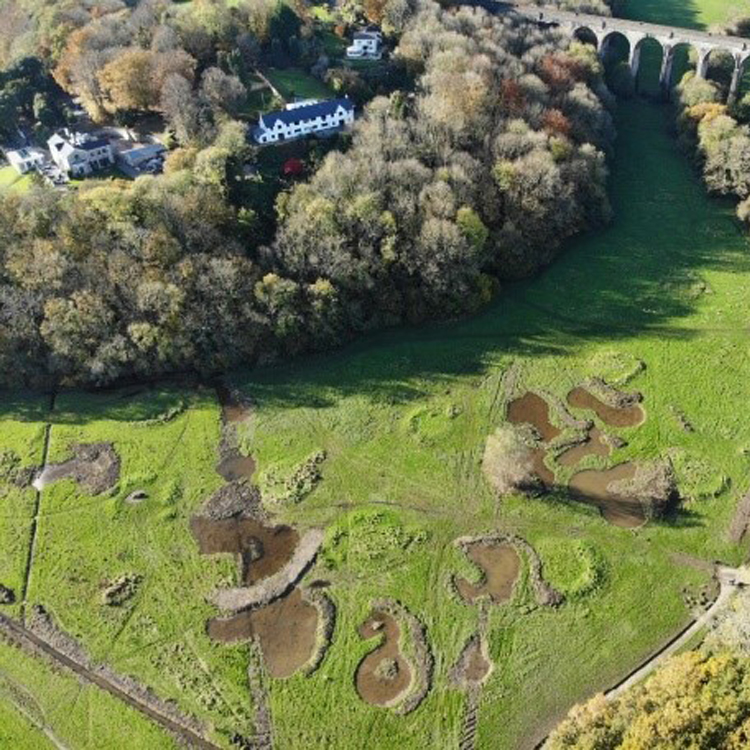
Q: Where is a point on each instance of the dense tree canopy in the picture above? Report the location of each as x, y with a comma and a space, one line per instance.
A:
476, 172
486, 170
695, 702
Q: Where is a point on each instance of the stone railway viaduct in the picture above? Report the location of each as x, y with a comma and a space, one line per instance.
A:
603, 29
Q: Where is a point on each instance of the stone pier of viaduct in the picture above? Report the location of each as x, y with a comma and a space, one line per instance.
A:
601, 30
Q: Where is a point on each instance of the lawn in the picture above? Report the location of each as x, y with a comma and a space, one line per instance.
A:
11, 181
687, 13
296, 83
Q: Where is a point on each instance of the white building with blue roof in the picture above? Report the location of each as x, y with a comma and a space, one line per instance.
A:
303, 118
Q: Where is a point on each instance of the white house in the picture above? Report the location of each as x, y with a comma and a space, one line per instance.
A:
366, 45
303, 118
79, 154
25, 160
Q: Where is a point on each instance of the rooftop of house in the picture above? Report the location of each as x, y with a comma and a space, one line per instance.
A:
68, 141
23, 154
305, 112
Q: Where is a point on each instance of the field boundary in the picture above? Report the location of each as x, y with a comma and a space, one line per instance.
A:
19, 634
37, 511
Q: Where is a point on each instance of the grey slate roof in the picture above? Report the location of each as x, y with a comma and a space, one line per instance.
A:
300, 114
91, 145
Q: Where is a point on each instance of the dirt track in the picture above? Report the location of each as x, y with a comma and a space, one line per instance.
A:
25, 638
729, 580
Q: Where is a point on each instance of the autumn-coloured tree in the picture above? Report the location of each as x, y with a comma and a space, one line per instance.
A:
695, 701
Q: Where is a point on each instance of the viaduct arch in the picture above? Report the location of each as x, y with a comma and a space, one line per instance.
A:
603, 28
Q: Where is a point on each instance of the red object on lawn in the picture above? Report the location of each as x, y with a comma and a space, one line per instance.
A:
293, 168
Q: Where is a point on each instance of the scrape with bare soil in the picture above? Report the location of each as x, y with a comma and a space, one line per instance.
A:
627, 415
473, 666
593, 487
262, 550
95, 467
593, 445
534, 410
383, 676
500, 565
286, 629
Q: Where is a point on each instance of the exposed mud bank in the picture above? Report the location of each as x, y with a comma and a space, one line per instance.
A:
236, 467
95, 467
235, 410
740, 521
235, 500
500, 566
473, 665
544, 593
235, 407
326, 625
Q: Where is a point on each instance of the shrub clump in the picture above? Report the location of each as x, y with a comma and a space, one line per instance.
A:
301, 482
508, 461
7, 595
121, 589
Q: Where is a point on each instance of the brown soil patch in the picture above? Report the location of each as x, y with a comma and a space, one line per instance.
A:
472, 666
234, 408
95, 467
594, 445
236, 499
625, 416
740, 520
594, 487
263, 550
534, 410
235, 467
544, 474
286, 629
383, 675
500, 565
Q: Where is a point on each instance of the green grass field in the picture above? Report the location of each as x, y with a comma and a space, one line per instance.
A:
295, 83
402, 416
665, 284
11, 181
35, 699
688, 13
